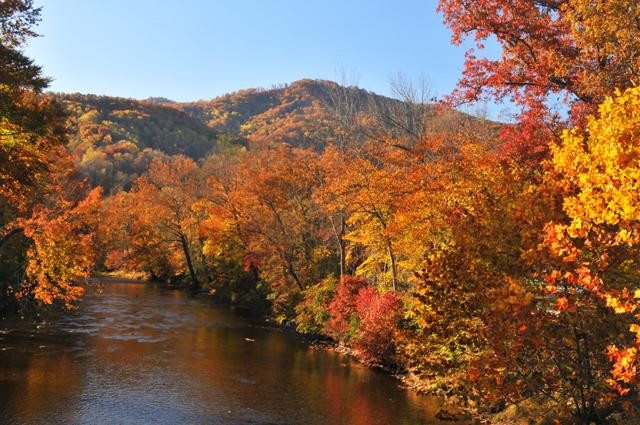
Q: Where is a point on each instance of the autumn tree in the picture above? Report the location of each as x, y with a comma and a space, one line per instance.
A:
229, 242
594, 279
32, 125
577, 50
369, 193
558, 319
164, 200
131, 242
44, 218
332, 164
61, 238
275, 214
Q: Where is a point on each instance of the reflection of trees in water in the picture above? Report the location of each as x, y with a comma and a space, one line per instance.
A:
40, 375
143, 353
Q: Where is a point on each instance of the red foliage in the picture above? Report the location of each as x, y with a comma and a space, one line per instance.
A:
363, 317
527, 140
378, 315
343, 306
573, 51
114, 149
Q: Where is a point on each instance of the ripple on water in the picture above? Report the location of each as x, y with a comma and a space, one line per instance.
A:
137, 354
144, 339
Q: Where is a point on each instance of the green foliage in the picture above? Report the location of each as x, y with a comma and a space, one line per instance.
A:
233, 284
313, 312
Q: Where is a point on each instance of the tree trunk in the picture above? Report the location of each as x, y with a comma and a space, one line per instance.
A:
343, 261
255, 272
394, 270
203, 262
293, 274
185, 247
339, 234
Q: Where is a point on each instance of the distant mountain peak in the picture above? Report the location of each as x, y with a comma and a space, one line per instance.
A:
160, 100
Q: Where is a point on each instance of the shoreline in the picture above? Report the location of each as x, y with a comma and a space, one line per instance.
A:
404, 379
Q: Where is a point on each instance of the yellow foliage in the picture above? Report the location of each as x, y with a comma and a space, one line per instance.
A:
603, 162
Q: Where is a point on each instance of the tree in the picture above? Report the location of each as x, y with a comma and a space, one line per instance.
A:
378, 314
462, 231
32, 123
343, 322
275, 216
164, 200
43, 217
332, 164
579, 50
62, 251
131, 242
598, 169
366, 193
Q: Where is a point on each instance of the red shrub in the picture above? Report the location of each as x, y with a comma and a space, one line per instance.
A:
378, 315
343, 322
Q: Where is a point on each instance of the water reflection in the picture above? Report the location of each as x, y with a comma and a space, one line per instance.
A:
147, 354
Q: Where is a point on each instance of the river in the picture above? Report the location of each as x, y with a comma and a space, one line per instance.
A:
141, 353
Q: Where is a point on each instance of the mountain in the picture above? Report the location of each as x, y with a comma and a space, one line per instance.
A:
295, 113
303, 113
114, 139
160, 100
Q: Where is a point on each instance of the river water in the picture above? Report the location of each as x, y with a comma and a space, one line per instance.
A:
146, 354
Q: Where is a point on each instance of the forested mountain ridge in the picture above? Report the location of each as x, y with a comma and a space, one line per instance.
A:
295, 113
303, 113
114, 139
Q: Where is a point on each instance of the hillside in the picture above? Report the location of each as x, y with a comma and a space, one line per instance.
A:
114, 139
303, 113
295, 113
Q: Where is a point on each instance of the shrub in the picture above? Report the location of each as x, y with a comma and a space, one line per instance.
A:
283, 301
313, 312
343, 322
378, 314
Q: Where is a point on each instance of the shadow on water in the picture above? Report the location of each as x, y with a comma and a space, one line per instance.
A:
143, 353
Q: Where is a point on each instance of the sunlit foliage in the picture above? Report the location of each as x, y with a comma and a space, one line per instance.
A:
46, 223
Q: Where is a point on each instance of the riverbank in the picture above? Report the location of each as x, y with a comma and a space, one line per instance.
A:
145, 353
405, 380
449, 413
524, 413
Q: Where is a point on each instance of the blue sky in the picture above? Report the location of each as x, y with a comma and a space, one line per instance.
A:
198, 49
